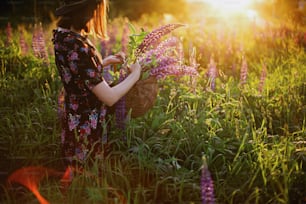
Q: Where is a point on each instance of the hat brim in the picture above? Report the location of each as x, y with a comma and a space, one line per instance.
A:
70, 7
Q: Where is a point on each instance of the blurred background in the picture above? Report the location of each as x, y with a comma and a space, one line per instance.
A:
34, 11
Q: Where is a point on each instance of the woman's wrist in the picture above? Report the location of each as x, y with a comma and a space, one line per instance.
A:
137, 74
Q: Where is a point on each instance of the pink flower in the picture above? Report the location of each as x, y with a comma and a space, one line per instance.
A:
73, 121
74, 56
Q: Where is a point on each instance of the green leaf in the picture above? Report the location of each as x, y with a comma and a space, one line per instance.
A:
132, 27
145, 75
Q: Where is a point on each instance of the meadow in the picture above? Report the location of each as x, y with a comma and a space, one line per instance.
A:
245, 113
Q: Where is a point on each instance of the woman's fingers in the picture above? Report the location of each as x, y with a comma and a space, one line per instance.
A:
121, 55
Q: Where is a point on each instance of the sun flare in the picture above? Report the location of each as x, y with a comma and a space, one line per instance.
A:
227, 7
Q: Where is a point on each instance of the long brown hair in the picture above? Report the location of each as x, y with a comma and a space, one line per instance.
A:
91, 19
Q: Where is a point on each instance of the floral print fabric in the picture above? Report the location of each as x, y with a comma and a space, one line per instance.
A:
82, 113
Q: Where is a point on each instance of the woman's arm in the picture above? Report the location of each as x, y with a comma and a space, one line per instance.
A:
110, 95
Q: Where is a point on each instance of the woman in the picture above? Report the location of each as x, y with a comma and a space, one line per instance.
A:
80, 67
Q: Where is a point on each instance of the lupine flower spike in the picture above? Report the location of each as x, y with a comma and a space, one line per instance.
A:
103, 50
193, 63
207, 185
164, 61
38, 43
22, 42
9, 35
121, 106
262, 78
212, 73
244, 71
154, 36
181, 52
125, 38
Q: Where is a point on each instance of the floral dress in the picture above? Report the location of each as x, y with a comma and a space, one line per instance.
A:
83, 115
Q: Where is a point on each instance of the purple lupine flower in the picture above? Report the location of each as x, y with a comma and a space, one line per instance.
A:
262, 78
243, 71
23, 45
38, 44
165, 48
112, 38
188, 70
167, 44
107, 45
164, 61
167, 60
154, 36
193, 63
125, 38
9, 34
164, 53
207, 185
180, 50
212, 73
120, 111
192, 57
107, 76
104, 48
161, 72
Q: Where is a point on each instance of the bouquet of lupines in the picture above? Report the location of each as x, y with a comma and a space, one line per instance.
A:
158, 59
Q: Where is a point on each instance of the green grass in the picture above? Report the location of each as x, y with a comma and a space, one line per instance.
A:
254, 142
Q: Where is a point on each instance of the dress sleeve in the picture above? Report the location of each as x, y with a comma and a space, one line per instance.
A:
86, 62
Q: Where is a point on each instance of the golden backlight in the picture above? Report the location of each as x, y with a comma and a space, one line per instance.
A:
229, 7
225, 9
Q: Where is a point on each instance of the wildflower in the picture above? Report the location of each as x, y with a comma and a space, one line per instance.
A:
243, 71
9, 35
165, 61
154, 36
23, 45
164, 50
106, 45
180, 50
107, 76
193, 63
161, 72
125, 38
104, 48
262, 78
120, 111
207, 185
212, 73
38, 43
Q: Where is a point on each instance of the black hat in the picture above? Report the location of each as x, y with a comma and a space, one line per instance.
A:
73, 5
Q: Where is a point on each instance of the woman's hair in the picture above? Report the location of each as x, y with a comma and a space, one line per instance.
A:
91, 19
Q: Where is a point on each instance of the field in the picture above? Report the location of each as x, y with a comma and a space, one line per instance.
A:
245, 113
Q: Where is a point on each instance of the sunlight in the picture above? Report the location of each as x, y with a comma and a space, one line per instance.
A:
230, 7
252, 14
226, 7
233, 12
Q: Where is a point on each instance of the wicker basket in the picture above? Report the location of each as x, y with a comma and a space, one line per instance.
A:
141, 97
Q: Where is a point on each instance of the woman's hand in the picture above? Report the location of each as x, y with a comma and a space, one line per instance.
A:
135, 69
118, 58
